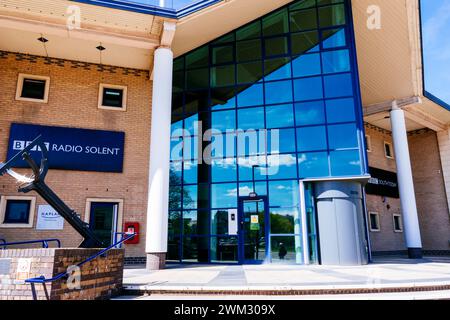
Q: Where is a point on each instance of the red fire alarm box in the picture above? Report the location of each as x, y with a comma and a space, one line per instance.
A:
132, 227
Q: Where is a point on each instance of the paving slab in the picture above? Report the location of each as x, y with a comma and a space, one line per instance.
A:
383, 275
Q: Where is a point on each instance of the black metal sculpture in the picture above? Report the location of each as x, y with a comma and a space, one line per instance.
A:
36, 183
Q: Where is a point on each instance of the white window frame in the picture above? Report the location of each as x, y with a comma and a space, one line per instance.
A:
4, 200
400, 220
378, 221
19, 88
369, 143
116, 227
386, 143
112, 86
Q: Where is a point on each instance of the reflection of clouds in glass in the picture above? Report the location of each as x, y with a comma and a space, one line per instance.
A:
355, 163
242, 191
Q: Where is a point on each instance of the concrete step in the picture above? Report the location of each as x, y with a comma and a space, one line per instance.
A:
149, 289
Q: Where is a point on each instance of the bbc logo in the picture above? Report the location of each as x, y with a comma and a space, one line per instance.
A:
19, 145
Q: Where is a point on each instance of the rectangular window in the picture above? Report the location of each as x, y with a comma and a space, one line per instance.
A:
398, 224
374, 220
388, 150
112, 97
17, 212
32, 88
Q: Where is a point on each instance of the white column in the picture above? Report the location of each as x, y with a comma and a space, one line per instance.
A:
405, 183
158, 184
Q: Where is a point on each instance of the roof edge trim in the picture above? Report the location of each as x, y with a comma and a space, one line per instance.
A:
151, 9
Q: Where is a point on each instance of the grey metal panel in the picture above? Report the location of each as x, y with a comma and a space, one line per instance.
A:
329, 245
341, 223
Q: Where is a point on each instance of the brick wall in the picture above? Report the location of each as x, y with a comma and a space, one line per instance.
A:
444, 151
100, 278
73, 103
429, 188
386, 239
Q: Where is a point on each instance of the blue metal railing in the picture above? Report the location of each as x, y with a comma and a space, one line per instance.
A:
42, 279
43, 241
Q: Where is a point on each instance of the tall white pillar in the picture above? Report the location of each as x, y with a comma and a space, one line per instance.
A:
158, 184
405, 183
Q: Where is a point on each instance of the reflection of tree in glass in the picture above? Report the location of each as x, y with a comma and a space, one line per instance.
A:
176, 191
280, 224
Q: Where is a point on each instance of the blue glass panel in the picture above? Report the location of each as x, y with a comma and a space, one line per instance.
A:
246, 188
251, 118
282, 166
249, 72
190, 197
176, 129
245, 167
191, 125
338, 85
279, 116
190, 148
223, 170
223, 120
311, 138
345, 163
284, 194
224, 195
343, 136
175, 173
281, 140
333, 38
251, 142
175, 193
223, 145
309, 113
223, 98
340, 110
278, 92
306, 65
336, 61
313, 165
308, 89
305, 42
190, 222
277, 69
176, 148
190, 173
250, 96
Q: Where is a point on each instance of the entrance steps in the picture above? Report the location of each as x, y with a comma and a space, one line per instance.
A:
163, 290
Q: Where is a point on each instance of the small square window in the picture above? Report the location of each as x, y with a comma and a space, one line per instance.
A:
398, 224
112, 97
374, 221
32, 88
17, 212
388, 152
368, 143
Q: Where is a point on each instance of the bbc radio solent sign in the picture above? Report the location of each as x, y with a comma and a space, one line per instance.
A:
71, 148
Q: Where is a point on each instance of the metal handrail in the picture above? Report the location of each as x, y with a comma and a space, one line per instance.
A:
43, 241
42, 279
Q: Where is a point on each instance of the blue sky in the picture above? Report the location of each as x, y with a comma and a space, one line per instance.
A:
436, 47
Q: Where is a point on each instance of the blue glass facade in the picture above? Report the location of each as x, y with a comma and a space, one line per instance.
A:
278, 99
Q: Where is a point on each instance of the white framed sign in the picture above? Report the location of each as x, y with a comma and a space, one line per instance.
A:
49, 219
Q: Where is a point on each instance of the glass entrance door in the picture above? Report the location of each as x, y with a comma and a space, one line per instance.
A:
103, 220
253, 224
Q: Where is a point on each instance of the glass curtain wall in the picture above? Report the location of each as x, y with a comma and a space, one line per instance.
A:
278, 99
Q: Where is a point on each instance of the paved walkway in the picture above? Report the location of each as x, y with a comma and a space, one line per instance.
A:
383, 273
